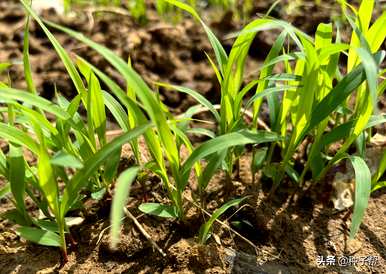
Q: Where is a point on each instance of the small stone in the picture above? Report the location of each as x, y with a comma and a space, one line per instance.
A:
353, 246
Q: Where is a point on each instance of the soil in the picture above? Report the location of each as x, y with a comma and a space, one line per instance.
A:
282, 234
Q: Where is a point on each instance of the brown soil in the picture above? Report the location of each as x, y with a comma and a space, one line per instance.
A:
285, 234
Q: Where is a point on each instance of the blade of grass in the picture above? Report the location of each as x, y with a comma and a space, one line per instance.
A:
17, 136
16, 176
9, 95
224, 142
26, 62
73, 73
205, 228
97, 108
362, 192
199, 98
221, 56
39, 236
92, 164
120, 198
143, 92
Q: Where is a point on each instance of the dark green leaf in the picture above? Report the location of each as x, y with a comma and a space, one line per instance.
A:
160, 210
39, 236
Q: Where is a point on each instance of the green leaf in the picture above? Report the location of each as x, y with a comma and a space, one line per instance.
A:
362, 192
16, 175
5, 190
337, 95
292, 173
197, 96
47, 180
10, 95
17, 136
258, 159
371, 70
380, 171
214, 162
96, 108
48, 225
343, 130
26, 62
267, 92
80, 179
15, 216
3, 164
224, 142
111, 166
31, 115
266, 71
64, 159
205, 228
377, 33
4, 66
116, 110
338, 133
201, 131
98, 194
160, 210
361, 24
360, 144
120, 198
329, 50
133, 110
378, 185
39, 236
323, 35
143, 92
73, 73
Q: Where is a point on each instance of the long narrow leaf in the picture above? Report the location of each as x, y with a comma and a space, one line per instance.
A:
120, 198
224, 142
93, 163
362, 192
39, 236
205, 229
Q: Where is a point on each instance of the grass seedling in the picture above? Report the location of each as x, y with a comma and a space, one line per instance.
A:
167, 138
51, 200
50, 186
205, 229
75, 157
310, 100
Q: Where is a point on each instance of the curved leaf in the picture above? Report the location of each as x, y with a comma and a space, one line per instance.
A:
120, 197
362, 192
205, 228
39, 236
80, 179
224, 142
160, 210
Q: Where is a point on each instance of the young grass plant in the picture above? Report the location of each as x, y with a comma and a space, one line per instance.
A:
230, 71
166, 139
50, 186
310, 99
51, 200
205, 229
